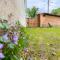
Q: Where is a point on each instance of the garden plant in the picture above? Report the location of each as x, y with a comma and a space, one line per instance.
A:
12, 41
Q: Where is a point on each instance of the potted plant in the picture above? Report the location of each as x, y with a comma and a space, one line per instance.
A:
32, 20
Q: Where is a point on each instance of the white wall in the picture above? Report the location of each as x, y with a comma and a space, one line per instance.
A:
16, 7
21, 11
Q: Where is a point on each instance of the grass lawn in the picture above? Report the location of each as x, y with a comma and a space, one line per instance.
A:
37, 37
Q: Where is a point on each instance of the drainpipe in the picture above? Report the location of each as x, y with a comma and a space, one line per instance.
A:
25, 3
21, 11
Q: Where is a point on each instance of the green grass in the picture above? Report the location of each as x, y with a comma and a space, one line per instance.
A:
47, 36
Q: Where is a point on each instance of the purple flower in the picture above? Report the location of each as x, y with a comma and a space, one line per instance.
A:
1, 56
15, 38
1, 46
25, 49
15, 42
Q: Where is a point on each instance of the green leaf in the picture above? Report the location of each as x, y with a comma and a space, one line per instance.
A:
11, 45
1, 39
5, 26
1, 26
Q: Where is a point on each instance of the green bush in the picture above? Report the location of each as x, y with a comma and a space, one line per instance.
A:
32, 12
12, 47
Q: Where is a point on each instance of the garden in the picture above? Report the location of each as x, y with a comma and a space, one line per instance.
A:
24, 43
12, 40
20, 43
38, 40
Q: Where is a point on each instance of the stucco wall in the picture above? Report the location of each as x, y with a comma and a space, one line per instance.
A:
13, 10
21, 11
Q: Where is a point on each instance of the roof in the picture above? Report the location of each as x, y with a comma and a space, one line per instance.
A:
50, 14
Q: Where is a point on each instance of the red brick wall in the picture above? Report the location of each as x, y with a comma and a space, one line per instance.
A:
43, 20
52, 20
33, 22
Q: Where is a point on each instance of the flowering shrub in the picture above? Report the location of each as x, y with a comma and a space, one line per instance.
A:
12, 41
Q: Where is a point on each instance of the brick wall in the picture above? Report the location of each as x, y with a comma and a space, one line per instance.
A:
33, 22
44, 20
53, 20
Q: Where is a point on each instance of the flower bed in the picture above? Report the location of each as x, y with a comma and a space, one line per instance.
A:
11, 41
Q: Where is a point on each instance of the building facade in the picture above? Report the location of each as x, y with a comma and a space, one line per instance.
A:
49, 20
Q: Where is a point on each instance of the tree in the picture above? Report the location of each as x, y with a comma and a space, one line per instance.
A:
32, 12
56, 11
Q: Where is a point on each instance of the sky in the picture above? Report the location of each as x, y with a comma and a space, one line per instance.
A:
43, 4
